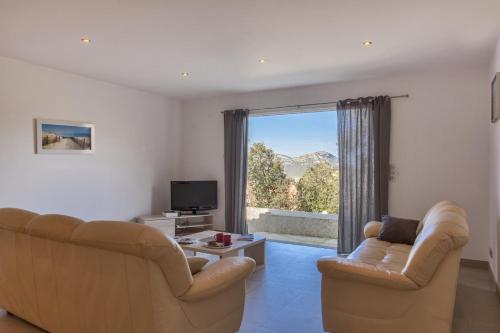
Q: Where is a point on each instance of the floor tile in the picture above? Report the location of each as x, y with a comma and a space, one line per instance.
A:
483, 328
460, 325
263, 329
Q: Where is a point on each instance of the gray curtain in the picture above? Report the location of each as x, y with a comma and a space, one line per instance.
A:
364, 127
235, 169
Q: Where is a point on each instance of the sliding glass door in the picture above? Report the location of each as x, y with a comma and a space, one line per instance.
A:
293, 177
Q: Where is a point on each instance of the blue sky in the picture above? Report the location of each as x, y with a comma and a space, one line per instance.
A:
69, 131
296, 134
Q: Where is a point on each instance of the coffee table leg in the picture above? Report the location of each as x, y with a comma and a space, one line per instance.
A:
257, 253
190, 253
230, 254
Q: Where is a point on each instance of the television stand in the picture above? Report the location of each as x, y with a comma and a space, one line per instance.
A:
194, 213
188, 223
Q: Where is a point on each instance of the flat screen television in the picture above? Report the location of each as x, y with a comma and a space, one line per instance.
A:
193, 196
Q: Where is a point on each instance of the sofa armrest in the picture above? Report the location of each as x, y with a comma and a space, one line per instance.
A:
346, 269
372, 229
196, 264
218, 277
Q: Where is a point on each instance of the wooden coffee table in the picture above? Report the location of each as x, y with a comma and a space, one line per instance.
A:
255, 249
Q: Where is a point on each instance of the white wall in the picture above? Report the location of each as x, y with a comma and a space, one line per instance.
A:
440, 144
136, 140
495, 178
439, 140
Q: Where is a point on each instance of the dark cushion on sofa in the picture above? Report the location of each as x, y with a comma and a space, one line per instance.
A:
398, 230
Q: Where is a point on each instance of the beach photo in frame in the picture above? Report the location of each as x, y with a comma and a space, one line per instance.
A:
64, 137
495, 96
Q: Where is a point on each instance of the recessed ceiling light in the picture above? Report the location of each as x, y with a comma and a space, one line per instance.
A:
262, 61
367, 43
85, 40
184, 74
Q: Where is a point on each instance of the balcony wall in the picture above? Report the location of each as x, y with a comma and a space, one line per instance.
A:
278, 221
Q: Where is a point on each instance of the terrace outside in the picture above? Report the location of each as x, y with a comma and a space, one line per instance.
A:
293, 178
294, 227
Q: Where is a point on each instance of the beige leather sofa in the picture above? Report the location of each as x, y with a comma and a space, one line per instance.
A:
383, 287
65, 275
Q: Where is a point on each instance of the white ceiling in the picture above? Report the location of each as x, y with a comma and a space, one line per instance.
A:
147, 44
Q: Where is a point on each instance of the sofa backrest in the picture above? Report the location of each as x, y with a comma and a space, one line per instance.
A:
141, 241
63, 274
443, 229
434, 210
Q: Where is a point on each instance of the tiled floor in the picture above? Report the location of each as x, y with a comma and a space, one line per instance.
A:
285, 297
477, 308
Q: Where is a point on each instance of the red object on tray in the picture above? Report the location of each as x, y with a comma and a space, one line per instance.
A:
219, 238
227, 240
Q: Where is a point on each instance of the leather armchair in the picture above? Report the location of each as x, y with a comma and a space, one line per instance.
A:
65, 275
384, 288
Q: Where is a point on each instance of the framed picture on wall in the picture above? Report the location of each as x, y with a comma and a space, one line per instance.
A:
495, 99
64, 137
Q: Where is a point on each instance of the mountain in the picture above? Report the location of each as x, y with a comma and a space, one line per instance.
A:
295, 167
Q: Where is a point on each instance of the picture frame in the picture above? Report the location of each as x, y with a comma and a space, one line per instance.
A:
64, 137
495, 96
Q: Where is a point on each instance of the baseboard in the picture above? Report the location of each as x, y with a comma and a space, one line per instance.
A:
475, 263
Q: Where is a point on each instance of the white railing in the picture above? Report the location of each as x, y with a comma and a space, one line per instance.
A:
292, 222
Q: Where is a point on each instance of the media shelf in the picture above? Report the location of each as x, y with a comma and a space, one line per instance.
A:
191, 223
187, 216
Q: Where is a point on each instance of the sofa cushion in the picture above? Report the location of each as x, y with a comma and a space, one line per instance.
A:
444, 229
382, 255
398, 230
196, 264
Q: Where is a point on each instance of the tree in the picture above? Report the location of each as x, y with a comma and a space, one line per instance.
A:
268, 185
318, 189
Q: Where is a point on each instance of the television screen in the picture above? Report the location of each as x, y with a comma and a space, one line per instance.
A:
193, 195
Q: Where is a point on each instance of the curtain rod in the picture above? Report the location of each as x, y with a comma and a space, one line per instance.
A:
298, 106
